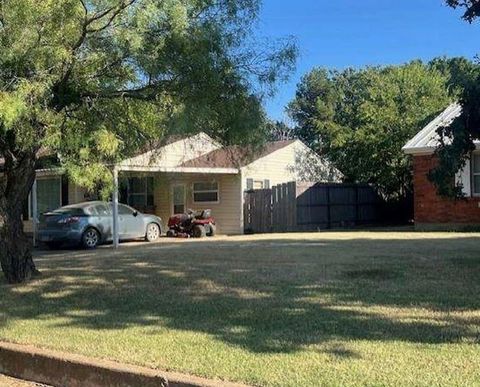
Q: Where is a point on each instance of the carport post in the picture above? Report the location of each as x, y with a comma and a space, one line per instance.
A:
33, 197
115, 208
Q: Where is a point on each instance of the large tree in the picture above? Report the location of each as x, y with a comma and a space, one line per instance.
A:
88, 80
457, 140
360, 119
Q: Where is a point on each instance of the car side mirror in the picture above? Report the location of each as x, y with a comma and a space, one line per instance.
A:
135, 213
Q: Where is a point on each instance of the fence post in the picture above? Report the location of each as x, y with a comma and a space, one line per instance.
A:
329, 218
294, 206
356, 206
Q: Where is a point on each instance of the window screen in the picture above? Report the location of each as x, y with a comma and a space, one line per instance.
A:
137, 191
476, 173
204, 192
49, 193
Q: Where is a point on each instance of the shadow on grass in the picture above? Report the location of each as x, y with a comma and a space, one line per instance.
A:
266, 296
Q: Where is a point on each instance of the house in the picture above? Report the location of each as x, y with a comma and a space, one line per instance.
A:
431, 210
193, 172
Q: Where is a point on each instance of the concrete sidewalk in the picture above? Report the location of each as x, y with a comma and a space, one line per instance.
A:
6, 381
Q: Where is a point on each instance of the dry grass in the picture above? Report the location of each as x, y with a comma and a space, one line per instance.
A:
347, 308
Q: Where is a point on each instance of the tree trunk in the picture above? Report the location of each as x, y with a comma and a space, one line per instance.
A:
15, 248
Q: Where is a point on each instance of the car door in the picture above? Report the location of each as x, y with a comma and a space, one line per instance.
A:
130, 222
105, 220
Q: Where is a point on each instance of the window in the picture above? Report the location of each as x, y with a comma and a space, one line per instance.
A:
122, 209
257, 184
102, 210
125, 210
205, 192
137, 191
476, 173
49, 194
178, 199
91, 210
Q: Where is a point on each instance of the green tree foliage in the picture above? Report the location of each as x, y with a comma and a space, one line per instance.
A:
279, 131
471, 8
360, 119
457, 140
91, 80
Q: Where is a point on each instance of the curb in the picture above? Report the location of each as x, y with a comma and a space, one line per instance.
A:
64, 369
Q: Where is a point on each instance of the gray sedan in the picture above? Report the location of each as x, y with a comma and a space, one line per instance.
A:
91, 223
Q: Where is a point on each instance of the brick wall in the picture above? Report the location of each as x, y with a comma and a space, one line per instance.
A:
433, 209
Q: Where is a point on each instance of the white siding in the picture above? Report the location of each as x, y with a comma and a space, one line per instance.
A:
176, 153
76, 194
227, 212
295, 162
464, 177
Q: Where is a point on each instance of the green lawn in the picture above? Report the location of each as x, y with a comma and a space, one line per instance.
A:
385, 308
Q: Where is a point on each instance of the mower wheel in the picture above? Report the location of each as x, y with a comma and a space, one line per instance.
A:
212, 230
199, 231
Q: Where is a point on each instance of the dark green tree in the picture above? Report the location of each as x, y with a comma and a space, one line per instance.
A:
471, 8
90, 80
457, 140
360, 119
279, 131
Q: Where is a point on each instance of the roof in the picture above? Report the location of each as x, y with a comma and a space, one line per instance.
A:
222, 160
155, 144
42, 152
234, 156
149, 146
427, 139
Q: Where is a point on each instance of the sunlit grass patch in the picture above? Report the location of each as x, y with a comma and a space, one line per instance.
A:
352, 308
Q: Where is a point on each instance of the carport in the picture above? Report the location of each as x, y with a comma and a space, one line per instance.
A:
198, 171
183, 173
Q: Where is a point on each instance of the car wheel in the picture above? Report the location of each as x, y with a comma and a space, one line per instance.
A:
212, 230
90, 238
153, 232
199, 231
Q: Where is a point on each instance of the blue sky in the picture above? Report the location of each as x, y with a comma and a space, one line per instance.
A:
355, 33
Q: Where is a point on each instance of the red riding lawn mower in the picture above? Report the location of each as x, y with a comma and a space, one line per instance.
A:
196, 224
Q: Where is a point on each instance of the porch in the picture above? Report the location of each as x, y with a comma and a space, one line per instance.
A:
159, 191
168, 193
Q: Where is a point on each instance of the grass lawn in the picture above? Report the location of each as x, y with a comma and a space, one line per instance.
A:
352, 308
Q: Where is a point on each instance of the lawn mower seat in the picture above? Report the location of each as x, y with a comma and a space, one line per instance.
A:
204, 214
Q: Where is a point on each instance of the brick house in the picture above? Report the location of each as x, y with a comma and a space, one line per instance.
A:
433, 212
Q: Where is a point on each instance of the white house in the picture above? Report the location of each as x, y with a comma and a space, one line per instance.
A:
194, 172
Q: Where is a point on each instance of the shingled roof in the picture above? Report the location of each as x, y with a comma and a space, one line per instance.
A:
234, 156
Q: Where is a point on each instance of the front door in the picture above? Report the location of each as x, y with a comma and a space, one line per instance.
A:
178, 197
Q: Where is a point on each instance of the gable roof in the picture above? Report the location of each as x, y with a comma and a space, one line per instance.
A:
42, 152
427, 139
234, 156
150, 146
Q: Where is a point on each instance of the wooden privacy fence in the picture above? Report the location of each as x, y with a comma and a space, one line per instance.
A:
310, 206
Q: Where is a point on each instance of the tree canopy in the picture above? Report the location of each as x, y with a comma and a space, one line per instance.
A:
360, 119
457, 140
471, 8
91, 80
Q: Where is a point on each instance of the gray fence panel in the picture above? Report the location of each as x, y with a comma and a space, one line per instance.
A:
309, 206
